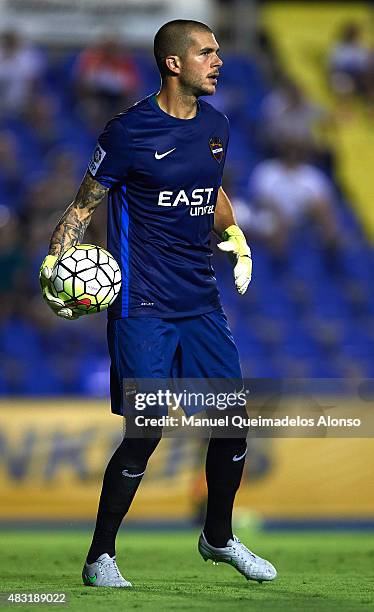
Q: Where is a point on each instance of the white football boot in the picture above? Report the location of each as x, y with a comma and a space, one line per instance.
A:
103, 573
238, 555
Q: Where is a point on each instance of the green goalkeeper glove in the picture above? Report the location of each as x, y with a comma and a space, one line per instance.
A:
57, 305
234, 242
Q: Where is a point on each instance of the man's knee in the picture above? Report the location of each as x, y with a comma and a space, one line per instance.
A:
235, 428
137, 446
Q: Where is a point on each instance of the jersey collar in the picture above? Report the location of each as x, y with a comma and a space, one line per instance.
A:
153, 102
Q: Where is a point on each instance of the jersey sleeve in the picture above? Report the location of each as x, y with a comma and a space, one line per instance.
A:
112, 156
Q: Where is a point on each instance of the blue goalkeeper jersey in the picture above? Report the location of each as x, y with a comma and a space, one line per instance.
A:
163, 176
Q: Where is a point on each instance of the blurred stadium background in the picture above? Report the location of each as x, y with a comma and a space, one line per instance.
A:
298, 87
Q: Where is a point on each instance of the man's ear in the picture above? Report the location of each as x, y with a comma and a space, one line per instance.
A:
173, 64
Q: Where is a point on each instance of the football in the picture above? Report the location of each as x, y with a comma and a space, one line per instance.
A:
87, 278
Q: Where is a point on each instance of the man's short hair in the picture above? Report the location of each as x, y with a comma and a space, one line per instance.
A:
174, 38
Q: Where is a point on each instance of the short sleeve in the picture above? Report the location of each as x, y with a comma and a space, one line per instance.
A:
112, 156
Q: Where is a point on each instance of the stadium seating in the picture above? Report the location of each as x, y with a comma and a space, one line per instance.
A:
310, 320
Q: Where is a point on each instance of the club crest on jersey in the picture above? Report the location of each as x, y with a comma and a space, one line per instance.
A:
216, 148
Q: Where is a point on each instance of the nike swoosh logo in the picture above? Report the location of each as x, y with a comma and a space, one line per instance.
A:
127, 473
236, 458
91, 579
161, 155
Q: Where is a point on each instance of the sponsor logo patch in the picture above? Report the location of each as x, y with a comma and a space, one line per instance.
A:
96, 159
216, 148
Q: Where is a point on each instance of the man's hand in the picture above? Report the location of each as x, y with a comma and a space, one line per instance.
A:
234, 242
57, 305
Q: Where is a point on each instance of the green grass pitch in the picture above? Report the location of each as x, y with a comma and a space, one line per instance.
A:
316, 571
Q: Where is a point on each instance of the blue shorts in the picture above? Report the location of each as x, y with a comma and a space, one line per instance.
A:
199, 347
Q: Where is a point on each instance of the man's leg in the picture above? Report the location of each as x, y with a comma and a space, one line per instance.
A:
140, 348
121, 480
224, 468
209, 352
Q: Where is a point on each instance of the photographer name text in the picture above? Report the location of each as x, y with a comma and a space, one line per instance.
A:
240, 422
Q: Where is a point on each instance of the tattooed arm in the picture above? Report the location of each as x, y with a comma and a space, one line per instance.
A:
76, 218
69, 232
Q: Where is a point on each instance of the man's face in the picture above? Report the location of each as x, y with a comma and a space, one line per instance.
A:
200, 65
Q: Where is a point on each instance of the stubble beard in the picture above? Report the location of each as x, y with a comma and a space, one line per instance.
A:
194, 87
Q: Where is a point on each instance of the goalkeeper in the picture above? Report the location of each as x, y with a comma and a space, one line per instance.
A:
161, 164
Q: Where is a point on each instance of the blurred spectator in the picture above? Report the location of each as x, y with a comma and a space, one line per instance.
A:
287, 114
40, 120
107, 73
10, 169
53, 191
290, 191
266, 55
12, 255
63, 176
348, 61
21, 68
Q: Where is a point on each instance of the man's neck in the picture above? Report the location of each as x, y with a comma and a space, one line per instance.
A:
177, 104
